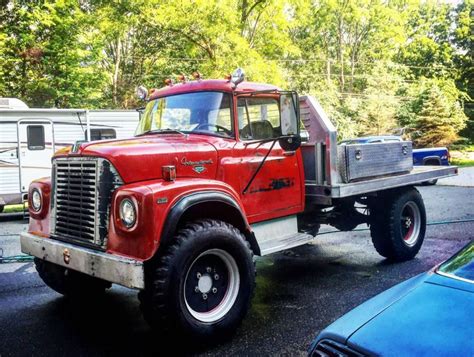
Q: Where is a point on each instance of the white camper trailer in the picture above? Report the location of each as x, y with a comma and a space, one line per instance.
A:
30, 136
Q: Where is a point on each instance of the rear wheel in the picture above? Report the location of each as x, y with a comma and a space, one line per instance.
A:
202, 284
398, 224
69, 282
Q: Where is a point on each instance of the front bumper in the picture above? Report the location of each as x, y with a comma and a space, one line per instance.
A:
113, 268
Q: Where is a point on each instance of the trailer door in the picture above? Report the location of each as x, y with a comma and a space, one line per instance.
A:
36, 145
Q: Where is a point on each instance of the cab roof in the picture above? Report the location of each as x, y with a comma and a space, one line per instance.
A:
220, 85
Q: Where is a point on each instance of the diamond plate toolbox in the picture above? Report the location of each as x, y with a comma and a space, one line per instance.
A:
360, 161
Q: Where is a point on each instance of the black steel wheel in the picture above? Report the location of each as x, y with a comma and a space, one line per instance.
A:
69, 282
398, 224
202, 284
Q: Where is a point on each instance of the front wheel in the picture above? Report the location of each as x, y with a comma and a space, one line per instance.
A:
202, 284
398, 224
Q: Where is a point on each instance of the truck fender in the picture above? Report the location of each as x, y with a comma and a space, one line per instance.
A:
189, 205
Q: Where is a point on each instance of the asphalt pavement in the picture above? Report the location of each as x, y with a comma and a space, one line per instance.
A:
298, 293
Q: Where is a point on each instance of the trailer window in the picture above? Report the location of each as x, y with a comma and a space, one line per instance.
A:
35, 137
102, 134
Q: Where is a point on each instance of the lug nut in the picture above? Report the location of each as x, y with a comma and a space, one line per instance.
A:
198, 275
208, 269
216, 277
204, 296
196, 289
214, 290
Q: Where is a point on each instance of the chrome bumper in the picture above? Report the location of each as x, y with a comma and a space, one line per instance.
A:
113, 268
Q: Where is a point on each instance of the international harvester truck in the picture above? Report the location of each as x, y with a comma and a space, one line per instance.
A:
215, 175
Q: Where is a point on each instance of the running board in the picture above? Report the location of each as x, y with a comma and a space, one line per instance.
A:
277, 245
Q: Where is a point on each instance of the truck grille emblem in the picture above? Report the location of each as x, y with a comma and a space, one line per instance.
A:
199, 169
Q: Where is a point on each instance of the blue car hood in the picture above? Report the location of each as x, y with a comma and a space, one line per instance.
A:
436, 318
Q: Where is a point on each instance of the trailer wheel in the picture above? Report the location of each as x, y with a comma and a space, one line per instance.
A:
69, 282
1, 208
398, 224
201, 286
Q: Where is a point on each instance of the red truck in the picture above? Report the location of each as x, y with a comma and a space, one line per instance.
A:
215, 175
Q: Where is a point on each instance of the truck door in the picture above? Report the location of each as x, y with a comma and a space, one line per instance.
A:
276, 190
36, 147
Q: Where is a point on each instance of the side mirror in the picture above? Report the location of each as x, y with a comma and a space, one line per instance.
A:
289, 123
290, 142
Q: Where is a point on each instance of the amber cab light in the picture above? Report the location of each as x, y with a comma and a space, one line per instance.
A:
169, 172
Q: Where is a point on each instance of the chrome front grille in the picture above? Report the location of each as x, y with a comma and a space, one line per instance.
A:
76, 198
82, 191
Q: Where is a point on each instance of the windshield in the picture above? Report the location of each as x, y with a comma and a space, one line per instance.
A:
461, 265
200, 112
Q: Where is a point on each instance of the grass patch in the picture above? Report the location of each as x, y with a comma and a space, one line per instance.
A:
13, 209
462, 147
462, 162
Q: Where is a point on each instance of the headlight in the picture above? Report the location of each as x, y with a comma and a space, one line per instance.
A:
36, 200
128, 212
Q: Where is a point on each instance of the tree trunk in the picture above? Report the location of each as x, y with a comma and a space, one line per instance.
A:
341, 53
118, 57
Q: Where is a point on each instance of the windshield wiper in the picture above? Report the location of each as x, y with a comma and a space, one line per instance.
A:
162, 131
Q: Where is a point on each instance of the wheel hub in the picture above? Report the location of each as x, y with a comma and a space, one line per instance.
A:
410, 223
205, 283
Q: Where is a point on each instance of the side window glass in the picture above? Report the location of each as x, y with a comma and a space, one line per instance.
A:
35, 137
259, 118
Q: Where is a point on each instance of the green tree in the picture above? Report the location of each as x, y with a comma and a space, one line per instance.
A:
48, 54
435, 116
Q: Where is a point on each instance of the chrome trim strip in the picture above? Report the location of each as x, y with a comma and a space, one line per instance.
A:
452, 276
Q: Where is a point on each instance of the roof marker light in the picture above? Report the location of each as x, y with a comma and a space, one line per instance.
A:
182, 78
197, 75
169, 82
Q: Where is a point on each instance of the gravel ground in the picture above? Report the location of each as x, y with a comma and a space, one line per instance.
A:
465, 178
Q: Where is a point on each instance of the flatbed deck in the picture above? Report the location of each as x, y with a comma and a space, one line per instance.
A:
417, 175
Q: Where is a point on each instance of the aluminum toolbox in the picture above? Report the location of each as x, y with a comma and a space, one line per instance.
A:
360, 161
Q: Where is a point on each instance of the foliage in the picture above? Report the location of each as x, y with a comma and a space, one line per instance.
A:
374, 65
433, 116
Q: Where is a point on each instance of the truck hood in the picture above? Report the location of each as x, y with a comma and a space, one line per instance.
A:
425, 315
142, 158
435, 319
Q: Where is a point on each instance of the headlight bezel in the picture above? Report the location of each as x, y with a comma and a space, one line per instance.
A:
34, 192
124, 217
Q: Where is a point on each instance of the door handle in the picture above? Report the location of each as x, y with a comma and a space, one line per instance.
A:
288, 153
